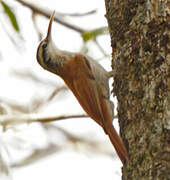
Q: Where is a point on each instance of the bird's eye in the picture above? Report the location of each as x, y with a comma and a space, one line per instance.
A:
44, 45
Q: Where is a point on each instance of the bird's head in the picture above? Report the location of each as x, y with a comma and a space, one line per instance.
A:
46, 51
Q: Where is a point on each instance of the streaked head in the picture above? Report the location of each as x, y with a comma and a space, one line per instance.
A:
46, 47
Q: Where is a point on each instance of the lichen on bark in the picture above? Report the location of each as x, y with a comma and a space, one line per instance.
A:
139, 33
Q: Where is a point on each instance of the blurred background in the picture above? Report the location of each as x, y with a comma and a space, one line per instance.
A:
44, 133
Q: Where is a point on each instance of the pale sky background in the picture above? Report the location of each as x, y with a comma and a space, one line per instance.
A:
73, 162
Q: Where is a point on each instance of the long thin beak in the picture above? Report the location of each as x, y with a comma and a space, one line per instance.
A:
48, 37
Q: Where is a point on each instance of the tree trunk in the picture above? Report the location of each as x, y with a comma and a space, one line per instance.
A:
140, 59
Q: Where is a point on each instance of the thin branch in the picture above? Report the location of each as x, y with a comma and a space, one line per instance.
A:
47, 13
56, 91
38, 103
90, 144
40, 34
10, 120
36, 155
11, 38
100, 48
78, 14
32, 76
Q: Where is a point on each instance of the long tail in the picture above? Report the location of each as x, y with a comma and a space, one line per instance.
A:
111, 132
117, 143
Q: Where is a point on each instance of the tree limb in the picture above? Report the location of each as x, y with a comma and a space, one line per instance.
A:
10, 120
77, 14
47, 13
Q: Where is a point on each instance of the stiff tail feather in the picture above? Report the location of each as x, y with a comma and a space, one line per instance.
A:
111, 132
117, 143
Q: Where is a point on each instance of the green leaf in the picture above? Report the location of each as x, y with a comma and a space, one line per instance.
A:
87, 36
90, 35
8, 11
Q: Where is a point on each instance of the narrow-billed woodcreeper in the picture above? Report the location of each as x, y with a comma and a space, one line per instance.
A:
88, 81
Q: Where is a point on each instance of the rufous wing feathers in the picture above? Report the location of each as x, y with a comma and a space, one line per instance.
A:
81, 81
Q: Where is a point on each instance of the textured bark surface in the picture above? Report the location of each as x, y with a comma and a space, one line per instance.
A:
139, 39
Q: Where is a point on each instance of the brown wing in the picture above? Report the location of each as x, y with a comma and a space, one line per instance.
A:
79, 77
87, 95
82, 83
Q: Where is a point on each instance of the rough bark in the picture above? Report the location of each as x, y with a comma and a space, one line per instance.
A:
139, 39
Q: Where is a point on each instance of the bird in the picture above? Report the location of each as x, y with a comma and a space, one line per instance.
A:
87, 80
